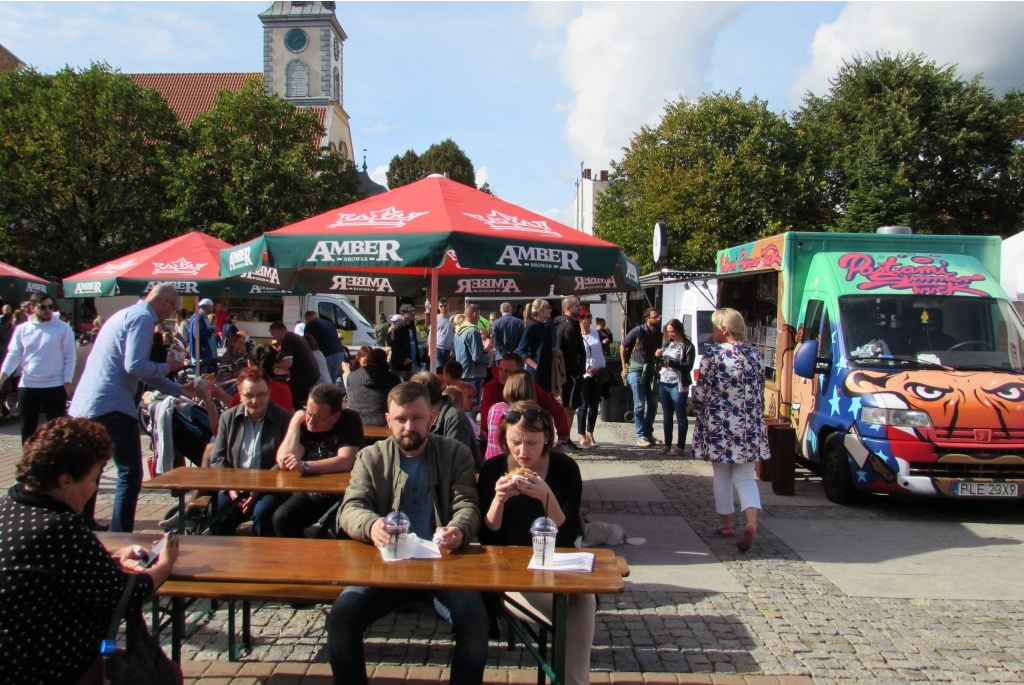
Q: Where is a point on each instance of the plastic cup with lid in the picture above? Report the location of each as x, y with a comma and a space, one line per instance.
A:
543, 531
396, 524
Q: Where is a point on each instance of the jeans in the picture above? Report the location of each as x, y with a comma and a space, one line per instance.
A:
586, 415
645, 405
334, 364
673, 406
33, 401
358, 607
443, 357
299, 511
124, 432
262, 515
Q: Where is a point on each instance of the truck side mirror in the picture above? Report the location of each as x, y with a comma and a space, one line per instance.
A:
806, 362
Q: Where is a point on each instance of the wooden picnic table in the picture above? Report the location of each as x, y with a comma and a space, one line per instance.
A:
227, 561
184, 479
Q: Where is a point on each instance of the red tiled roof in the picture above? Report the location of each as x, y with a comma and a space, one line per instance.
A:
192, 94
8, 60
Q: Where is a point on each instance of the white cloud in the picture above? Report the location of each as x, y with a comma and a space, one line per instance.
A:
977, 36
379, 174
482, 176
623, 61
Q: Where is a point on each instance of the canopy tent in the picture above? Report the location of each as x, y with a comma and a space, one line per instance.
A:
436, 233
471, 242
191, 262
15, 283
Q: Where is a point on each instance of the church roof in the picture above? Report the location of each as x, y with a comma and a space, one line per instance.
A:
8, 60
192, 94
189, 95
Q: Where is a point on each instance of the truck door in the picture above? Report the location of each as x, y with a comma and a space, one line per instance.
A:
809, 391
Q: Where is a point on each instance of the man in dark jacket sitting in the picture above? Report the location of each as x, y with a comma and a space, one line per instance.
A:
248, 438
449, 420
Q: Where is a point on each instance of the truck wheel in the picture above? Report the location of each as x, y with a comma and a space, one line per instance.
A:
835, 472
628, 417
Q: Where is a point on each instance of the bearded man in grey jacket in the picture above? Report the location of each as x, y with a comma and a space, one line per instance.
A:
430, 479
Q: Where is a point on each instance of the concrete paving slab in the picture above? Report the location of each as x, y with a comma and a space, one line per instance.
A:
618, 482
911, 560
673, 557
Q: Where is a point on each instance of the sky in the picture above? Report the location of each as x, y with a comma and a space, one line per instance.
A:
533, 91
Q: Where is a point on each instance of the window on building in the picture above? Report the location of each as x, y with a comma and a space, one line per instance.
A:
297, 79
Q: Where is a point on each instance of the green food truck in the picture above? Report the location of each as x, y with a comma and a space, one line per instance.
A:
895, 357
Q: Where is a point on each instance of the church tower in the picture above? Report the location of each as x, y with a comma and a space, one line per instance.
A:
303, 50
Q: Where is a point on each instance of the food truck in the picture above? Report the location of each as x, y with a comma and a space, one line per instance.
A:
895, 357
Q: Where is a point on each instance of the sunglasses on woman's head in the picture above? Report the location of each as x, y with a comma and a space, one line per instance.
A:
513, 417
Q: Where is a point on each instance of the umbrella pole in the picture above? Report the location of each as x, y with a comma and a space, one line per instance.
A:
432, 336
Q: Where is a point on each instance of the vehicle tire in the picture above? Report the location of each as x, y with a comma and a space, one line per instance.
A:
836, 476
628, 416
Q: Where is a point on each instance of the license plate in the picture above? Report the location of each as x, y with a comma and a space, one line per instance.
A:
981, 489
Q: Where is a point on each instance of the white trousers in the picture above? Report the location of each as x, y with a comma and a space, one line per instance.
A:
739, 476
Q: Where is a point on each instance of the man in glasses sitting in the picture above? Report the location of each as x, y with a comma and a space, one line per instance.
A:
430, 479
44, 348
322, 438
249, 436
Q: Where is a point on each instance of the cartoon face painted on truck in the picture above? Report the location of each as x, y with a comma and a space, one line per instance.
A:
916, 383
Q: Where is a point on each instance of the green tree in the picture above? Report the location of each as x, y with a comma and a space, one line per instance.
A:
83, 168
253, 164
900, 140
448, 158
404, 170
445, 158
718, 171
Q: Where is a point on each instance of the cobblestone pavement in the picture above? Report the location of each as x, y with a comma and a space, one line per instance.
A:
789, 620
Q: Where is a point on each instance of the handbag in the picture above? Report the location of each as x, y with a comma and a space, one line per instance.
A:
602, 376
143, 662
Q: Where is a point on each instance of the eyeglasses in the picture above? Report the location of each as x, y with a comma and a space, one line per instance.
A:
320, 419
255, 395
514, 417
50, 307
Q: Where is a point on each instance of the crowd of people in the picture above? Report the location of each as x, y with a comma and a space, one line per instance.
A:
504, 396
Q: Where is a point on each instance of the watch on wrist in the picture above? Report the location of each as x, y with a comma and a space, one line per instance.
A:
305, 468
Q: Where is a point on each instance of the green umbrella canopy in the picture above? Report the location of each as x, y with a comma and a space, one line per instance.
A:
393, 243
191, 262
15, 284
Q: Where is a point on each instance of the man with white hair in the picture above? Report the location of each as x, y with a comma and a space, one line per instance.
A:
106, 393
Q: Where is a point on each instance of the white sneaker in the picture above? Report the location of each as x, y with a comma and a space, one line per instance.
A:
642, 442
170, 523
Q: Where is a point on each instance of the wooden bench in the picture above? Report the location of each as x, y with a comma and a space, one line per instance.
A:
246, 593
233, 593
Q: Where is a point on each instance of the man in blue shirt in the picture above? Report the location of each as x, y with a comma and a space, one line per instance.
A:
507, 331
109, 387
199, 329
326, 336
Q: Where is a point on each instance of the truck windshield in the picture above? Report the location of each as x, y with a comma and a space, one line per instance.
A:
958, 332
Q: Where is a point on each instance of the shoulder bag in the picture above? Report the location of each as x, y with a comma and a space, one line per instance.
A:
143, 662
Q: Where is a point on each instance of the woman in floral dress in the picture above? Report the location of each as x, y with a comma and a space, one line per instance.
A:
728, 405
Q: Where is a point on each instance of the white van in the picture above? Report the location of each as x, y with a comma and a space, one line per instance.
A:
255, 314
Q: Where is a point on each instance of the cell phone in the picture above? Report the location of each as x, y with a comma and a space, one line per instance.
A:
154, 552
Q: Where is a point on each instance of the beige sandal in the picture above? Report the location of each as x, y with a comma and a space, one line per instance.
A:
584, 442
590, 439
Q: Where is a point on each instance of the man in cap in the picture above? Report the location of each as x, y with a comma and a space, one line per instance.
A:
200, 333
405, 346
